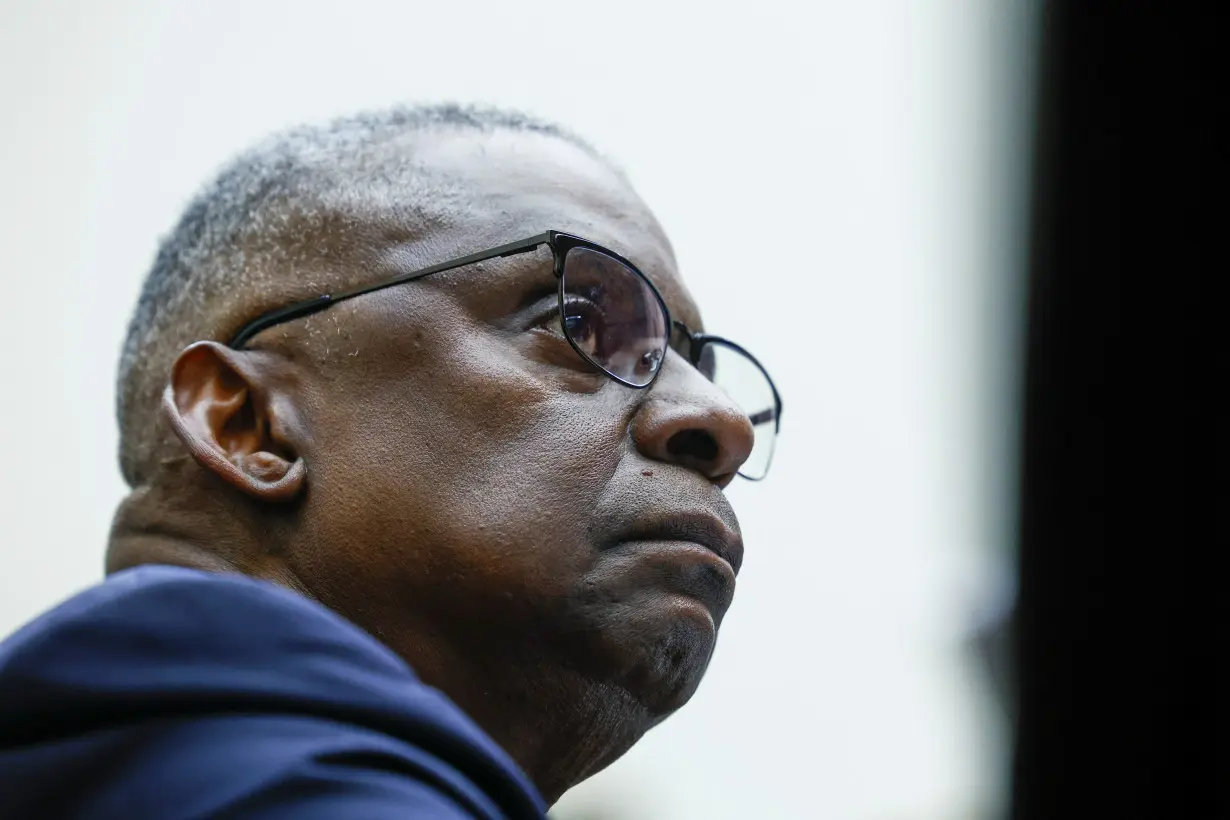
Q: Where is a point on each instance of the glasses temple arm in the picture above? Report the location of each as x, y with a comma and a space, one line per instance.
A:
319, 303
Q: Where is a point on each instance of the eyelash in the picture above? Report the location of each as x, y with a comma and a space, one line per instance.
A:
549, 315
546, 316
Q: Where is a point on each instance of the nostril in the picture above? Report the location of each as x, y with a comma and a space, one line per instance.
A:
694, 444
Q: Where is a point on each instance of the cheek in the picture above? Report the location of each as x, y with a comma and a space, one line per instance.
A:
466, 463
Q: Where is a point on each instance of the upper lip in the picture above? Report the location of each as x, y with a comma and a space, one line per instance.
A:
699, 528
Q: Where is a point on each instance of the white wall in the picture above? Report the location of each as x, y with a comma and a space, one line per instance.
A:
840, 181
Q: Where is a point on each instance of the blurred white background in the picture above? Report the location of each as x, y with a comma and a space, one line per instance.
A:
842, 183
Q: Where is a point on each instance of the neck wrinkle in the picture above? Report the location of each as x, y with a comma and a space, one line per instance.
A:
177, 522
566, 730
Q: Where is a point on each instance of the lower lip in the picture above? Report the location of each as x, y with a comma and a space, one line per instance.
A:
706, 599
691, 551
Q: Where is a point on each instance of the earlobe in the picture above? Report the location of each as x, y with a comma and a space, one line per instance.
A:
217, 408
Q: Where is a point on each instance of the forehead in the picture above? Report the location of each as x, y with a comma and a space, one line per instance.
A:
517, 184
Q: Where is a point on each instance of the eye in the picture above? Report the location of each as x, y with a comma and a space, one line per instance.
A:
649, 362
585, 324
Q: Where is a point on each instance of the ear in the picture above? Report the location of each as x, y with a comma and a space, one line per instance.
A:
227, 419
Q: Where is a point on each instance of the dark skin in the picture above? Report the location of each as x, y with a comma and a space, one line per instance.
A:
434, 462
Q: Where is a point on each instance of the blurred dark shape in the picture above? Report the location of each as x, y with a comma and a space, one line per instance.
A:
991, 640
1118, 708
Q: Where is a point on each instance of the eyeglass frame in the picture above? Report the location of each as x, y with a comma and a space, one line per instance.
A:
560, 244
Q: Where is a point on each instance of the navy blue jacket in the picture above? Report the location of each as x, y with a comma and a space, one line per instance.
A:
169, 693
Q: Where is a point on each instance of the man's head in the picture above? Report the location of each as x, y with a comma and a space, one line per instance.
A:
434, 461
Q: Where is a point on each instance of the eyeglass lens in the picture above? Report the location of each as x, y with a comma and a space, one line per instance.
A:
613, 316
748, 385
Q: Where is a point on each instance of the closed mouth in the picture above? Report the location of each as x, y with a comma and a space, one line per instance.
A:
705, 530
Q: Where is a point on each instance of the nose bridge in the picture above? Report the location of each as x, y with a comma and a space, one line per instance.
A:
688, 420
680, 377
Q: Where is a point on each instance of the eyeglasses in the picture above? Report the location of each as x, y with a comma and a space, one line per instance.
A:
616, 320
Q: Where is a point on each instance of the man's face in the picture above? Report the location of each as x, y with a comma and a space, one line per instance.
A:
480, 496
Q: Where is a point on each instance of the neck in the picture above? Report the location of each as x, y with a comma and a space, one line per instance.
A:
557, 725
181, 521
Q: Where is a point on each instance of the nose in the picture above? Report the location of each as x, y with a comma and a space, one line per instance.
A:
686, 419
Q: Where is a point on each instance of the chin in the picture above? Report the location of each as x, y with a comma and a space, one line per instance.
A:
646, 629
665, 658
